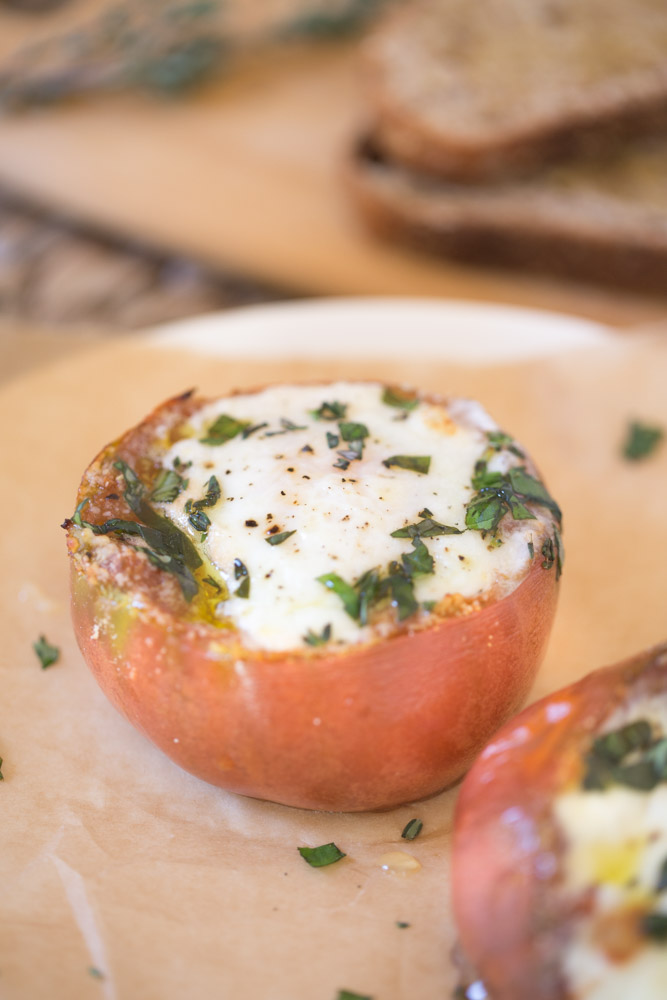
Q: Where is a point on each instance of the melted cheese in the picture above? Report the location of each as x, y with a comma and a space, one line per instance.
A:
342, 519
616, 846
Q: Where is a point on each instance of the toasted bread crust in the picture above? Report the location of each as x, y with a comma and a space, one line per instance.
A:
595, 237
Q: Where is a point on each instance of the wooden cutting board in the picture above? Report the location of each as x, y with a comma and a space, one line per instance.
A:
246, 175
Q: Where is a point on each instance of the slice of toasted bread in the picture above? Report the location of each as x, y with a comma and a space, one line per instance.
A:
603, 221
496, 88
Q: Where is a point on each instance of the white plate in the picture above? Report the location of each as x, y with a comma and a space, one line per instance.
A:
464, 332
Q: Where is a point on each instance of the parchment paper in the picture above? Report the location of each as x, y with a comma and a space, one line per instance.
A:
122, 877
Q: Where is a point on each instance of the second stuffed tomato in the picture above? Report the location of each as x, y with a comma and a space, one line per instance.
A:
328, 596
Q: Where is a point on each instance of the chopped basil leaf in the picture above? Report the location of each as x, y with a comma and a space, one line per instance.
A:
412, 829
429, 605
499, 440
395, 397
172, 564
280, 537
343, 590
320, 857
213, 583
367, 587
181, 466
199, 520
654, 925
76, 516
531, 550
349, 995
353, 432
224, 429
167, 486
402, 593
46, 653
330, 411
402, 924
95, 972
641, 440
332, 440
243, 589
413, 463
252, 429
426, 528
2, 777
341, 463
239, 570
500, 493
163, 537
313, 639
286, 425
169, 548
628, 756
420, 562
212, 495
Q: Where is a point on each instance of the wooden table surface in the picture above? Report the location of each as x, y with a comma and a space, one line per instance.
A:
247, 175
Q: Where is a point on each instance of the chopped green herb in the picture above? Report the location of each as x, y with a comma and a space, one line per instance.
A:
341, 463
213, 583
240, 570
252, 429
76, 516
395, 397
212, 495
169, 548
181, 466
167, 486
279, 538
402, 924
654, 925
330, 411
413, 463
353, 432
429, 605
243, 589
349, 995
531, 550
499, 440
224, 429
641, 440
95, 972
426, 528
46, 653
500, 493
313, 639
320, 857
412, 829
347, 594
420, 562
662, 877
332, 440
401, 589
2, 777
286, 426
199, 520
628, 756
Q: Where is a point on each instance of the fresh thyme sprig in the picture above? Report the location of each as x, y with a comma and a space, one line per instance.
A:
167, 47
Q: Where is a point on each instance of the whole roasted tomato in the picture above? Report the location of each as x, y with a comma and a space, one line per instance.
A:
560, 844
328, 596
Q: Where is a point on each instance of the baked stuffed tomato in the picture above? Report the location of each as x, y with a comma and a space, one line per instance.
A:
328, 596
560, 845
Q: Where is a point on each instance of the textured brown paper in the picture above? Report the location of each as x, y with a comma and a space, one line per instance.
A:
122, 877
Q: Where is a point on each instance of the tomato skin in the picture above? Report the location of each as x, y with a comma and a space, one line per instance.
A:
512, 921
373, 727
